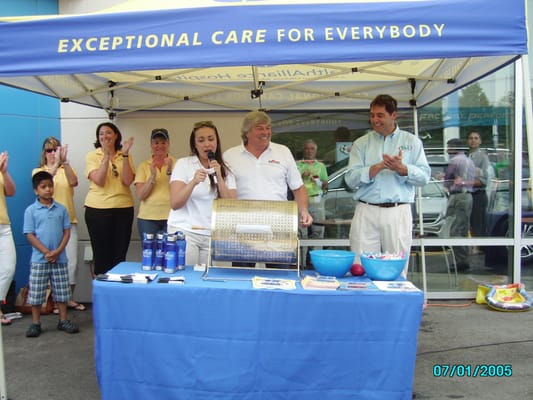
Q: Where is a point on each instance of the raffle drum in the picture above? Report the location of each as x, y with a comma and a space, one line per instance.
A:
254, 231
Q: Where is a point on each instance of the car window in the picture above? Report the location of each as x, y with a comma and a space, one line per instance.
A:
339, 165
432, 189
337, 181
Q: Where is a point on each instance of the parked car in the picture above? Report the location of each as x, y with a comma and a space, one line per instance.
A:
499, 193
340, 205
499, 204
498, 216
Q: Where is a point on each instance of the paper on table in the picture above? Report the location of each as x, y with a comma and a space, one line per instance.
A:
259, 282
397, 286
320, 282
357, 285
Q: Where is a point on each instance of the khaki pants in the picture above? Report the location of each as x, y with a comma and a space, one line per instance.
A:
378, 230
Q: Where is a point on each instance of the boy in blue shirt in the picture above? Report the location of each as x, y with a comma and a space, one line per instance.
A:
47, 228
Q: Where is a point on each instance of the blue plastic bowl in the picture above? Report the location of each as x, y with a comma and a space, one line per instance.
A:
382, 269
332, 262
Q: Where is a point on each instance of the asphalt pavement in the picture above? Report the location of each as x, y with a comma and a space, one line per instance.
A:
495, 346
491, 351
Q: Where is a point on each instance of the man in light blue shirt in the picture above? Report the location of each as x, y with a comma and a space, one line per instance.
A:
385, 165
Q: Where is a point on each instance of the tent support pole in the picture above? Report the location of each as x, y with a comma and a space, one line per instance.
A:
3, 389
528, 107
528, 111
420, 212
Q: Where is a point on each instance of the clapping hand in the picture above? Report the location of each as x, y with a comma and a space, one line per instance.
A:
3, 161
57, 159
168, 163
153, 168
61, 153
393, 163
126, 146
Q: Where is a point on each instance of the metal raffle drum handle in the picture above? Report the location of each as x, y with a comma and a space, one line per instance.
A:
254, 231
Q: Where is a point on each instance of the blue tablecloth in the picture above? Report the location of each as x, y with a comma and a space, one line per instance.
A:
226, 340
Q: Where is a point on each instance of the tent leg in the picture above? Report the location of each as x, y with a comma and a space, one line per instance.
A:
420, 219
528, 107
3, 390
528, 114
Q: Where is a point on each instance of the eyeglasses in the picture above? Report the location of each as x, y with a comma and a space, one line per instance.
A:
49, 150
115, 170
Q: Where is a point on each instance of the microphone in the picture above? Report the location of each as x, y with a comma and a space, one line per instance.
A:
211, 172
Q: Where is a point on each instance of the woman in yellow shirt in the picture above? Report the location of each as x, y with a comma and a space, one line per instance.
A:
8, 254
109, 202
152, 185
54, 160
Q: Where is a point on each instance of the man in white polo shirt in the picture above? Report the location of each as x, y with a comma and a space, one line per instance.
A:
264, 170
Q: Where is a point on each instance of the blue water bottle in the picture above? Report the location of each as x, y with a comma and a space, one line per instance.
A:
148, 251
159, 252
182, 245
170, 254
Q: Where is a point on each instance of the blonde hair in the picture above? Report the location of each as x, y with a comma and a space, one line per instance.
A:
251, 119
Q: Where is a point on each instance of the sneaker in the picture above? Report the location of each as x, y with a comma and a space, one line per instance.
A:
34, 330
67, 326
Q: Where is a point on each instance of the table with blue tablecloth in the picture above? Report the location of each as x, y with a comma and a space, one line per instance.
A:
223, 339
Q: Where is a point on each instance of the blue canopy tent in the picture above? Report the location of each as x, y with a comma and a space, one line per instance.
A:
275, 55
293, 55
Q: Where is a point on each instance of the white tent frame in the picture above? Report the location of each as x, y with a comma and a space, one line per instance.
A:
105, 96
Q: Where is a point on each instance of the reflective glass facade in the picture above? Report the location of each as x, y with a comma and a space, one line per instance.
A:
456, 259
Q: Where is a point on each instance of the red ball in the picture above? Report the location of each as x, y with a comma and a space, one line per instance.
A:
357, 270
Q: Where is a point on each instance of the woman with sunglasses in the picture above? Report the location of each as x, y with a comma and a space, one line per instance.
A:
195, 182
109, 202
54, 160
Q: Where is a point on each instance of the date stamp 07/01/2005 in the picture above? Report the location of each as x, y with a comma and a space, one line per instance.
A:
472, 370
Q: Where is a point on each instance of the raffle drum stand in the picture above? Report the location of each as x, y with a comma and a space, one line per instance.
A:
246, 232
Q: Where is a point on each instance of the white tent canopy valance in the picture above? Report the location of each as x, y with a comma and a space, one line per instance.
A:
236, 55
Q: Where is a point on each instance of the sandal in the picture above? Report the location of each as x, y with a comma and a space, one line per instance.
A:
76, 306
5, 321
